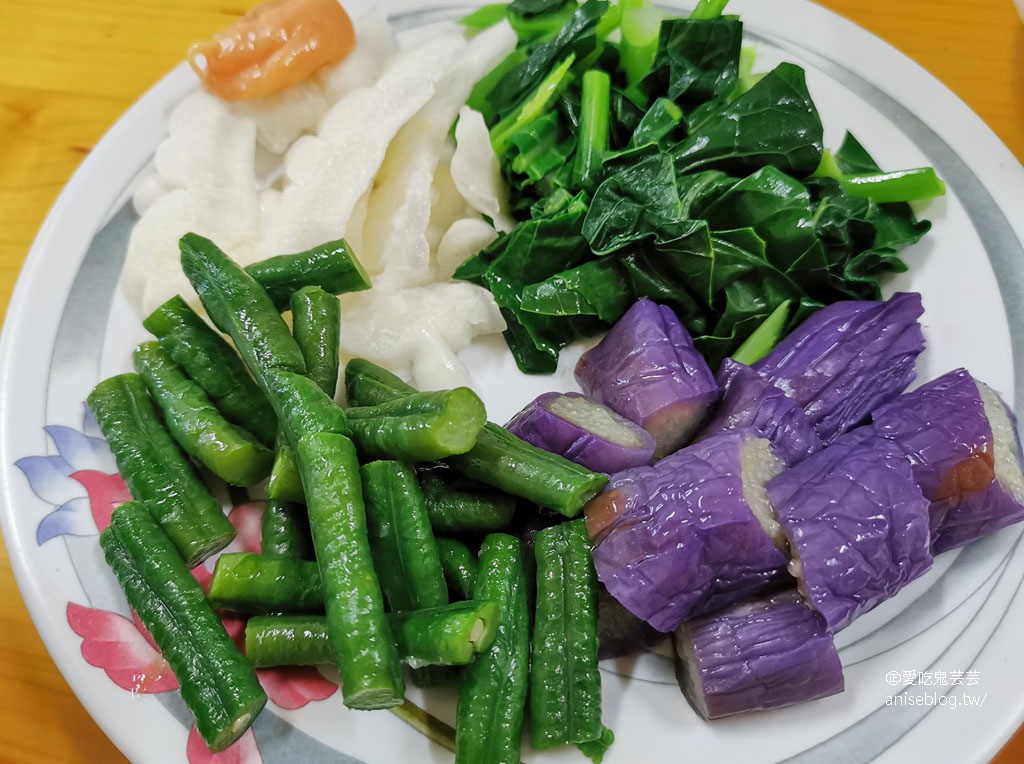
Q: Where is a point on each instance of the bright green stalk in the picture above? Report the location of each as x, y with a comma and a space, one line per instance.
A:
593, 135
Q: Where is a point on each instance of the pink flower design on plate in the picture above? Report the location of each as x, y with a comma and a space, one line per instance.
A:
80, 480
125, 651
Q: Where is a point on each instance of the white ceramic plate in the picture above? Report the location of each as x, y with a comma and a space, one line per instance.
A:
956, 631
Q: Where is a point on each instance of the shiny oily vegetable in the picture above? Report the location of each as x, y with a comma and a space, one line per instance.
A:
284, 531
492, 701
331, 266
456, 506
448, 635
316, 325
461, 567
404, 550
565, 684
371, 671
247, 582
499, 458
419, 427
241, 308
200, 429
214, 365
217, 683
157, 471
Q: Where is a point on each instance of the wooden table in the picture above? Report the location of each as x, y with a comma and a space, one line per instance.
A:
69, 68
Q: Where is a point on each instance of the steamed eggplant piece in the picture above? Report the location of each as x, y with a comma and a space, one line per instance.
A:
766, 653
691, 533
848, 359
965, 453
857, 525
750, 400
647, 369
583, 431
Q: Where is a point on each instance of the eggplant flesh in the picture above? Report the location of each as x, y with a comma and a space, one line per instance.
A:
584, 431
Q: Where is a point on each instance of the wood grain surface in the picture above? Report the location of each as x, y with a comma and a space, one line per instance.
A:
70, 68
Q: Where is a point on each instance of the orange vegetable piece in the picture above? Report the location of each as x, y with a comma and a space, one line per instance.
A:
272, 47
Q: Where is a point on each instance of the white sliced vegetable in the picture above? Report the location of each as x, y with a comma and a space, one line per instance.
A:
150, 188
447, 205
339, 164
395, 237
208, 159
476, 171
284, 116
388, 328
465, 238
375, 45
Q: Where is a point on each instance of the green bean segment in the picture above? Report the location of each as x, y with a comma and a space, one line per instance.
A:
456, 504
330, 266
284, 531
419, 427
157, 471
217, 683
489, 718
565, 684
285, 483
200, 429
240, 308
316, 325
498, 458
460, 567
447, 635
214, 365
259, 583
359, 632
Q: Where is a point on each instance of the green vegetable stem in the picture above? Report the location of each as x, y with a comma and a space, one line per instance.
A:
200, 429
565, 684
217, 683
359, 632
331, 266
593, 136
491, 707
212, 364
156, 470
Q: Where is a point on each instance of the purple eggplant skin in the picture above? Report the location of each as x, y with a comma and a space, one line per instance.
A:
757, 655
647, 369
848, 359
750, 400
679, 536
948, 429
583, 431
857, 525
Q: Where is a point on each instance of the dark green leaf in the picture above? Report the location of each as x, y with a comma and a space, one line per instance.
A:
774, 123
697, 60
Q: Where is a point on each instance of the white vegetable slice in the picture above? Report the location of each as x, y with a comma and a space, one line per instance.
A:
389, 328
282, 117
465, 238
339, 164
208, 159
395, 236
375, 45
476, 170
